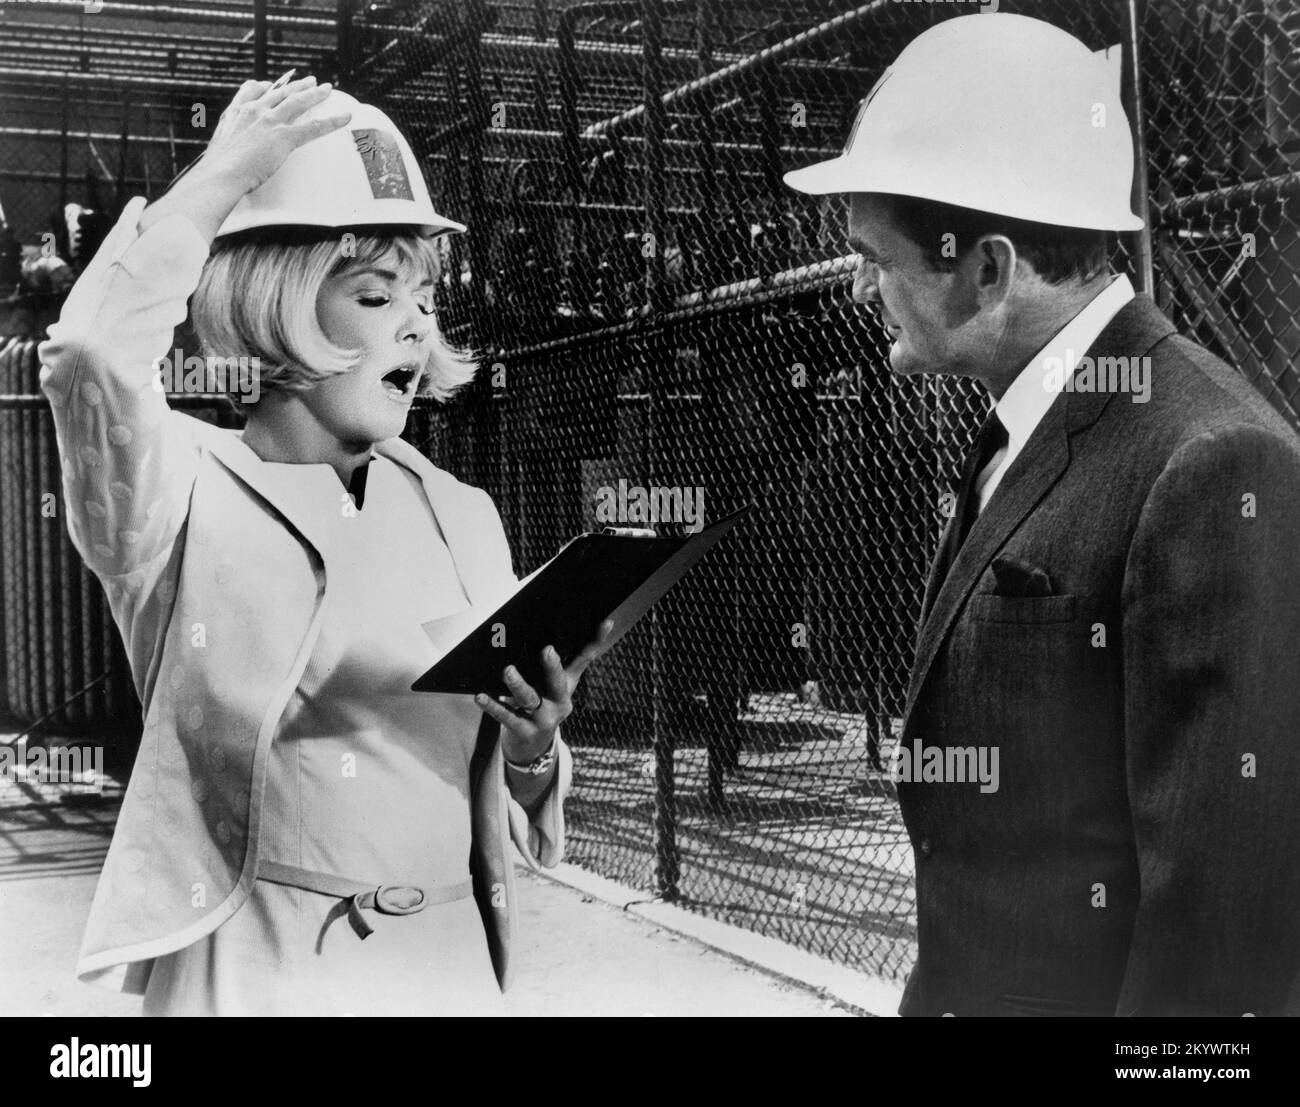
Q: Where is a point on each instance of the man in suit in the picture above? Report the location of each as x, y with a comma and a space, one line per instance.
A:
1101, 752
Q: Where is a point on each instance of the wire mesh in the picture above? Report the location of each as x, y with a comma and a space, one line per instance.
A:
655, 308
656, 312
1224, 125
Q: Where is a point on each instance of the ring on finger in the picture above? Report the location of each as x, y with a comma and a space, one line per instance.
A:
529, 712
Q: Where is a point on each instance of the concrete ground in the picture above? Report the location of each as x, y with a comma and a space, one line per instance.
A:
579, 955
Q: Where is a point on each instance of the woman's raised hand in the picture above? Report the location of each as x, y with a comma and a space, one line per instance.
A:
261, 127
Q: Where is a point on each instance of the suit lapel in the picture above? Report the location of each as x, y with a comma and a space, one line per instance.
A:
1137, 327
1038, 467
932, 581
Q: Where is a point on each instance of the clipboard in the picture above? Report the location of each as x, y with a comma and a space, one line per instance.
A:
596, 576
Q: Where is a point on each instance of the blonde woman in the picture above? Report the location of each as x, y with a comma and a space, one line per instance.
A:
302, 834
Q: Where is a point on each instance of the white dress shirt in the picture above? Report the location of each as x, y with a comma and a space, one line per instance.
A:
1024, 404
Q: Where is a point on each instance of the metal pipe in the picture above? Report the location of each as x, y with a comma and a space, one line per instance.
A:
1282, 188
148, 183
541, 32
670, 171
171, 120
769, 109
110, 71
91, 136
477, 18
117, 81
345, 45
119, 199
109, 63
571, 149
772, 55
531, 140
740, 294
20, 51
1141, 195
480, 236
560, 207
667, 858
75, 38
232, 7
46, 175
707, 160
652, 173
259, 40
39, 110
23, 401
706, 147
494, 45
567, 75
627, 54
63, 140
237, 17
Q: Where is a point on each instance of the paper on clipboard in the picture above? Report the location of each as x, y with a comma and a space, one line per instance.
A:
594, 577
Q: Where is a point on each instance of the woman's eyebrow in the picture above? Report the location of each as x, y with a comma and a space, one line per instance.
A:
387, 274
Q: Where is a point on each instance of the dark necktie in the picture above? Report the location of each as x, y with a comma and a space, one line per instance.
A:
991, 438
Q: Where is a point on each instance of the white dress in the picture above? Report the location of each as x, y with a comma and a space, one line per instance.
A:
368, 780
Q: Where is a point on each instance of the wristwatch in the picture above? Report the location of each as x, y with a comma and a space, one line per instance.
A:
538, 765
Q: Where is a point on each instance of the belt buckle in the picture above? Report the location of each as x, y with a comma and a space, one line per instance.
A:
389, 899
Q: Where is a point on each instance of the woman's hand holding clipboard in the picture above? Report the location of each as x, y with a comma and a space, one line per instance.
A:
596, 578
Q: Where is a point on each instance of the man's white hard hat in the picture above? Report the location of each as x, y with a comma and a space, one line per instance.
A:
363, 174
995, 112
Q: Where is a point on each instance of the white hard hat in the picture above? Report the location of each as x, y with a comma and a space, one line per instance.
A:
998, 113
363, 174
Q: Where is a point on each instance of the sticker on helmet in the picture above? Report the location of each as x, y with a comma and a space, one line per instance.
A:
385, 169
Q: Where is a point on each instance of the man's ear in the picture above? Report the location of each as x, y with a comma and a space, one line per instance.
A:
990, 269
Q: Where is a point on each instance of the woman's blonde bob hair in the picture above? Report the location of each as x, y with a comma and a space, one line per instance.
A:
257, 298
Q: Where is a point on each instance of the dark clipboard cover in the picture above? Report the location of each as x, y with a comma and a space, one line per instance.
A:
594, 577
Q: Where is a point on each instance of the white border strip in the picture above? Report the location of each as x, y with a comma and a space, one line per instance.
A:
870, 994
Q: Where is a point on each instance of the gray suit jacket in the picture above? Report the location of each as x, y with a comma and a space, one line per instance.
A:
1141, 854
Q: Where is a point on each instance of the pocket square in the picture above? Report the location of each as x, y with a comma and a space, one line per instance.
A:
1016, 578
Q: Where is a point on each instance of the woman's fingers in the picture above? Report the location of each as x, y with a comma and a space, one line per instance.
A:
249, 90
289, 100
557, 678
591, 651
301, 96
247, 93
502, 714
262, 127
544, 711
525, 696
317, 127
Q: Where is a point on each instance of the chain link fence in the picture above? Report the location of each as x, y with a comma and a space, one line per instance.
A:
656, 310
1222, 114
660, 320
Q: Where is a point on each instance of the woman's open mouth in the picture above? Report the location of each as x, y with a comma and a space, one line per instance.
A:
400, 383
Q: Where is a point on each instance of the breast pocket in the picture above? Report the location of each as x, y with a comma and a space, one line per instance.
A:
989, 608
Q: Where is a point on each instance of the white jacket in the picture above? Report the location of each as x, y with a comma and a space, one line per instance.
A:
175, 518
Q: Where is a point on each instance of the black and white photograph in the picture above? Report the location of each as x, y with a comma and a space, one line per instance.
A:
652, 509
